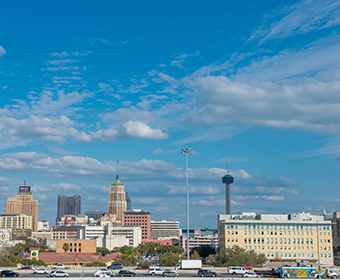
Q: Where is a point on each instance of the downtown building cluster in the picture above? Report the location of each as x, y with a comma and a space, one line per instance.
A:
288, 237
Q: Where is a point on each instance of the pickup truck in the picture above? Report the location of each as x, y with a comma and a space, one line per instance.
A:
246, 266
60, 266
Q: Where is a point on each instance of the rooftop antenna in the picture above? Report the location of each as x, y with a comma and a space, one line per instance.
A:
117, 167
227, 169
24, 183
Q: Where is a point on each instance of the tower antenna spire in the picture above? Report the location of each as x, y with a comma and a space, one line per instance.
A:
227, 169
117, 166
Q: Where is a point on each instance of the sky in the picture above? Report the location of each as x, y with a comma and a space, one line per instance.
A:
255, 84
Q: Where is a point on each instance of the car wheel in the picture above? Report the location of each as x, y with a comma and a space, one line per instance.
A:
213, 275
153, 274
202, 275
233, 273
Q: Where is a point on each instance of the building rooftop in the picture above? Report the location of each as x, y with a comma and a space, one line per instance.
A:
117, 182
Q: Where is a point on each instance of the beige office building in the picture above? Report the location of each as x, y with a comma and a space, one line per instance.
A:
24, 204
288, 237
117, 201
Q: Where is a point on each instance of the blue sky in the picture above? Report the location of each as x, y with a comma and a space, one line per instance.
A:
255, 84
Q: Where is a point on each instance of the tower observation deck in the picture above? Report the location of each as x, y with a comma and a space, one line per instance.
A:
227, 180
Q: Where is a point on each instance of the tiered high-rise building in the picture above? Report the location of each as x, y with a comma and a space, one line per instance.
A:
68, 206
24, 204
117, 200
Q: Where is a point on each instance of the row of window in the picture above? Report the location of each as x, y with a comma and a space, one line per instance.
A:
277, 232
281, 247
275, 240
275, 226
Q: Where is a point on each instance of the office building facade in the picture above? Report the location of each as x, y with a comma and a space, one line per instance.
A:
138, 218
117, 199
24, 204
165, 229
68, 206
287, 236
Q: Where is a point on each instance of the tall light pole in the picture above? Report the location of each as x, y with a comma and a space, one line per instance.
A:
186, 151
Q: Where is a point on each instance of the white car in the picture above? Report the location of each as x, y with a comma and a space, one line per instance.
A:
59, 273
155, 271
40, 271
105, 274
102, 270
250, 275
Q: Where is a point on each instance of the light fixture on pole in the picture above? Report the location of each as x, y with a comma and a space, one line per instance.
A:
186, 151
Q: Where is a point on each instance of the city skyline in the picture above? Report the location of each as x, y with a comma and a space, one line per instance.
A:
252, 84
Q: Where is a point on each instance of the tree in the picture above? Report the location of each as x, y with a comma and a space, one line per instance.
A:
103, 251
195, 256
170, 259
204, 250
238, 255
66, 247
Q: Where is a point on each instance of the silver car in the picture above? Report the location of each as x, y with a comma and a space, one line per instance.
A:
59, 273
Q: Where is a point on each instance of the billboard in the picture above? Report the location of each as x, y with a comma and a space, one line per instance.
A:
24, 189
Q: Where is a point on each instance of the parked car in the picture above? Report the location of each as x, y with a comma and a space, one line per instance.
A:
115, 266
9, 273
206, 272
251, 275
40, 271
59, 273
101, 270
142, 267
26, 268
170, 273
123, 273
155, 271
246, 266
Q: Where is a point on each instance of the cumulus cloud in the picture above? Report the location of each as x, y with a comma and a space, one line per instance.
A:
2, 51
311, 106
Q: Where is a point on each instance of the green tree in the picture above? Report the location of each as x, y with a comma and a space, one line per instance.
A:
195, 256
204, 250
238, 255
66, 247
170, 259
103, 251
9, 261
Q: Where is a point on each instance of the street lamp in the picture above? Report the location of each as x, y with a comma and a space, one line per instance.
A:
186, 151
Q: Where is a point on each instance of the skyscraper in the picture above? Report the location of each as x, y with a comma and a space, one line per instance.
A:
24, 204
128, 202
117, 201
68, 206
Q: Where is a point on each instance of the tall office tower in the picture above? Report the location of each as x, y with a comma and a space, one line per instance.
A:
139, 218
68, 206
227, 180
128, 202
24, 204
117, 200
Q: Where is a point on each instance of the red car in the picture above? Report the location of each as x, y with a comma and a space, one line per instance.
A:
26, 268
246, 266
142, 267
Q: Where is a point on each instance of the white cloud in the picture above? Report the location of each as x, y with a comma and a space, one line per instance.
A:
300, 18
2, 51
313, 106
66, 186
141, 130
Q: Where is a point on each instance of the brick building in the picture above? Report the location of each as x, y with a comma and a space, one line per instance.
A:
140, 219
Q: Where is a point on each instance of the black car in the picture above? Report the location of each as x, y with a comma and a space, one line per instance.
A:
206, 272
115, 266
123, 273
9, 273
